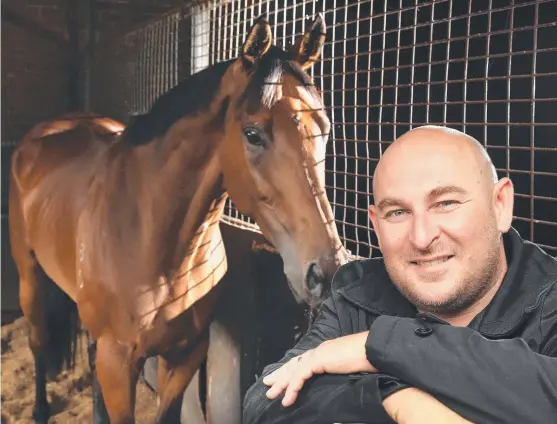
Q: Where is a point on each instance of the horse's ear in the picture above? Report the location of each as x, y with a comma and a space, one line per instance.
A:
258, 42
308, 49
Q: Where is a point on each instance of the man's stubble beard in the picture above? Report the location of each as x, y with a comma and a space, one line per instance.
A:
471, 287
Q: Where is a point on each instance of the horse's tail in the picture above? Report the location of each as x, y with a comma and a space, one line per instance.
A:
62, 327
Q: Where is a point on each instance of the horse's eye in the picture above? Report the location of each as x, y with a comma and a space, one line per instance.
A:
254, 137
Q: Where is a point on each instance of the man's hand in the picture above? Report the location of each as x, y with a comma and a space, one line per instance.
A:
414, 406
344, 355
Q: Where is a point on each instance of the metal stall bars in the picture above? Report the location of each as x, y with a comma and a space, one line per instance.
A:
129, 73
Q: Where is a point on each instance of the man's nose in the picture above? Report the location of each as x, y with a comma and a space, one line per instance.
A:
424, 231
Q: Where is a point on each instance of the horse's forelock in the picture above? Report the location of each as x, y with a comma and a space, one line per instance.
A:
262, 90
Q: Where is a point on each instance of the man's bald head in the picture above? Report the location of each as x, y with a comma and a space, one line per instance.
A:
432, 137
439, 213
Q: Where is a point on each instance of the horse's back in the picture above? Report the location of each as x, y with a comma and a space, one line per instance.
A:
52, 144
52, 168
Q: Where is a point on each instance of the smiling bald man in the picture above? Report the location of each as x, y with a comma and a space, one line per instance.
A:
440, 216
457, 322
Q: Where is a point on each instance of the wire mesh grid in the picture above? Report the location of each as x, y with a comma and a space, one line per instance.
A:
485, 67
129, 75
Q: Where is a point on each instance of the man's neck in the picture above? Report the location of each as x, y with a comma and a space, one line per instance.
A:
464, 318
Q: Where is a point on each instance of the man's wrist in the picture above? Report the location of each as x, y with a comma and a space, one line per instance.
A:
389, 385
365, 366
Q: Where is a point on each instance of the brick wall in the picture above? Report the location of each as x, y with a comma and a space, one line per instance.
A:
34, 70
35, 66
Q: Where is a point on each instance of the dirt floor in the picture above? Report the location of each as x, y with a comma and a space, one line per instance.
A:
69, 395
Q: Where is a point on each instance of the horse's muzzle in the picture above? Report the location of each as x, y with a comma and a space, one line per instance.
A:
317, 284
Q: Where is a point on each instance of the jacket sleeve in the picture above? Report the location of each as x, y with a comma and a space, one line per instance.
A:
324, 398
483, 380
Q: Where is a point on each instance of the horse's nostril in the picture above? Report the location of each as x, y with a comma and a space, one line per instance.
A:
315, 277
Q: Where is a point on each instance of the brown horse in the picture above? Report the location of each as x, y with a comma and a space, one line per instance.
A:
118, 227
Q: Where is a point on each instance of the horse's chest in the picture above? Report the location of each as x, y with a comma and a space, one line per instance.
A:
200, 272
186, 305
151, 306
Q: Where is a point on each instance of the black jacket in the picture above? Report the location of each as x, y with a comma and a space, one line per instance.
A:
502, 368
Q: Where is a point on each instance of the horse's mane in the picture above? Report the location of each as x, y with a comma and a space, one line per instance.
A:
197, 91
189, 96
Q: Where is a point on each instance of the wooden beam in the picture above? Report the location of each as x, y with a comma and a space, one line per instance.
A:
74, 57
125, 8
34, 27
90, 28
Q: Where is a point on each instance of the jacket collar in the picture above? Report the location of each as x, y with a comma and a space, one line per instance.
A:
375, 293
531, 272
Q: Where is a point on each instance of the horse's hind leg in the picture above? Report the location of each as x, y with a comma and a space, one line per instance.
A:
30, 294
117, 373
174, 376
53, 325
33, 309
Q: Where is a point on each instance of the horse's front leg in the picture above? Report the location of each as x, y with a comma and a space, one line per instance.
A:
100, 414
117, 373
174, 375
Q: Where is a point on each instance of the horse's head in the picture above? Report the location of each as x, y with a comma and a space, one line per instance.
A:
273, 155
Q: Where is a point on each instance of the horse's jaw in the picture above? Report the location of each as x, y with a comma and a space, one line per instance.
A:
295, 269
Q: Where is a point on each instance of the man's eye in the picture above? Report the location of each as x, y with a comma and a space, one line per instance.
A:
395, 214
445, 204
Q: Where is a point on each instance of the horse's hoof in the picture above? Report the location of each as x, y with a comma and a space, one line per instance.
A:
41, 413
101, 420
100, 417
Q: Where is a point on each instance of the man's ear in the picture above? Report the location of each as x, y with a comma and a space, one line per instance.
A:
373, 217
307, 49
258, 41
503, 203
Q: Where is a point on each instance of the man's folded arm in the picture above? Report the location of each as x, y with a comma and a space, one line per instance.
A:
483, 380
326, 399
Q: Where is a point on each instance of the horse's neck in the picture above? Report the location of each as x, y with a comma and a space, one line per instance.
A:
184, 197
184, 228
159, 194
202, 267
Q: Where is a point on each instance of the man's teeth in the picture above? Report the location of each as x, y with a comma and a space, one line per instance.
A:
433, 263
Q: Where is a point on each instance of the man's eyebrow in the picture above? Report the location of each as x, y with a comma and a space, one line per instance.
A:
447, 189
436, 192
388, 202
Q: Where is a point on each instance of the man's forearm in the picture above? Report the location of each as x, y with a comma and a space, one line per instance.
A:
483, 380
324, 398
414, 406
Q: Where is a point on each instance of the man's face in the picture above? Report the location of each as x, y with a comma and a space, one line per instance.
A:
439, 223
